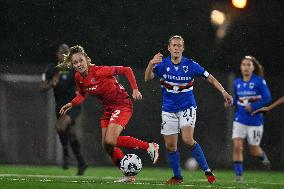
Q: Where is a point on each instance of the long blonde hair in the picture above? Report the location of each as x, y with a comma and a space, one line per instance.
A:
258, 68
66, 63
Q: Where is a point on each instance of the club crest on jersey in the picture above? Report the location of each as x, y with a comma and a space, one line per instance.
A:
251, 85
93, 80
185, 69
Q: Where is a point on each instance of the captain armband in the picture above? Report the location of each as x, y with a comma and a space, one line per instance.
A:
205, 74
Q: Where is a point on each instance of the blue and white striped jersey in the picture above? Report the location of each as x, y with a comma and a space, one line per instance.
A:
253, 92
177, 83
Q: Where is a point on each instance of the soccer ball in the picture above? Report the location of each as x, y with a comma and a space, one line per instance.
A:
130, 165
191, 164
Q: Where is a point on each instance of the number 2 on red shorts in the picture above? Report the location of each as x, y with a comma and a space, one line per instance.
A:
114, 115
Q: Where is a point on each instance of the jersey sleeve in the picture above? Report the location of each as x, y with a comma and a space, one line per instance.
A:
158, 70
200, 71
105, 71
80, 94
128, 72
265, 96
118, 70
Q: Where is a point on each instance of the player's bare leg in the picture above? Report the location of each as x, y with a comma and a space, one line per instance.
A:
197, 152
113, 138
257, 151
238, 146
115, 153
174, 160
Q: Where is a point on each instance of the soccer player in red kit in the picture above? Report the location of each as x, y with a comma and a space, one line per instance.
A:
117, 105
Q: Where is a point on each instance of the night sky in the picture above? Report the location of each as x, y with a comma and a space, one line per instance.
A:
130, 32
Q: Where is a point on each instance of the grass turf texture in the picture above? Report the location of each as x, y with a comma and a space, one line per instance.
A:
43, 177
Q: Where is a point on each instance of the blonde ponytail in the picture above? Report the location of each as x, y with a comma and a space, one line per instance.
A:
66, 64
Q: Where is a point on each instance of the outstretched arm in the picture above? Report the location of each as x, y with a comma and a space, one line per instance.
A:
128, 73
78, 99
149, 75
228, 98
271, 106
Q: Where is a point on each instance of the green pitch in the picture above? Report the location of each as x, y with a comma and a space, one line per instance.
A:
46, 177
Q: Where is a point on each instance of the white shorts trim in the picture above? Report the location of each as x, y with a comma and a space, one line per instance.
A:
253, 134
172, 123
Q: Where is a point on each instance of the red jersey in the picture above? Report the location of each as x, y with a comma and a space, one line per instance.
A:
100, 82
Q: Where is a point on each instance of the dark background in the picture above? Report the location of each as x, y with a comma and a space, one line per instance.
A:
129, 33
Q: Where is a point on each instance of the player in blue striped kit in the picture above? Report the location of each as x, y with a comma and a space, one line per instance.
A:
177, 75
250, 94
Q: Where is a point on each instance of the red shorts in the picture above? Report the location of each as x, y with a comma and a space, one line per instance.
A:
116, 114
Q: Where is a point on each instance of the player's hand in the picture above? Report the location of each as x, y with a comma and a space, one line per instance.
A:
156, 59
261, 110
136, 94
65, 108
228, 99
226, 104
248, 108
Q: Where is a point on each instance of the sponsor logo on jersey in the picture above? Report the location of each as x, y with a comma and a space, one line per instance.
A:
168, 69
92, 88
178, 78
246, 93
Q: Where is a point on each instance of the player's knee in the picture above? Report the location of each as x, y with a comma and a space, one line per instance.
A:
72, 137
171, 147
189, 142
59, 128
110, 140
238, 149
72, 134
253, 151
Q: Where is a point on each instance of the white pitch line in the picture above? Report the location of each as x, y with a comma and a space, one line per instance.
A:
47, 178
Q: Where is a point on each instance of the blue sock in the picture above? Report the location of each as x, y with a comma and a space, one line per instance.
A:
198, 154
238, 168
174, 160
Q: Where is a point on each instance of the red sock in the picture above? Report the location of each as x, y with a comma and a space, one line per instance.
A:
130, 142
117, 155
